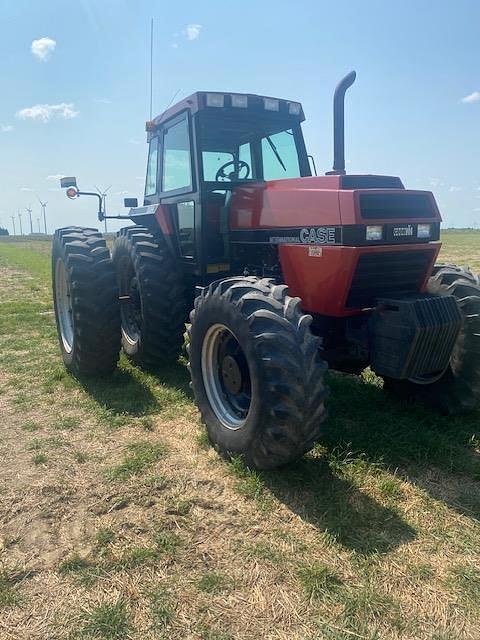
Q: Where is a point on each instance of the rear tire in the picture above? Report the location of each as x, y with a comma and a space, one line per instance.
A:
458, 389
152, 298
256, 371
85, 298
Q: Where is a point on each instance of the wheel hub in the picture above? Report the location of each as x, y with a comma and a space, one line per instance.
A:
130, 309
231, 374
226, 376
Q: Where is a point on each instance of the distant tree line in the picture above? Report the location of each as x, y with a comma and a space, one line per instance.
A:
4, 232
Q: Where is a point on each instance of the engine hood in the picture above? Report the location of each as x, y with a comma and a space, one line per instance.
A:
327, 200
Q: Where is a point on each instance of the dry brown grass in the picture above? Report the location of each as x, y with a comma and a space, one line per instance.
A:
342, 545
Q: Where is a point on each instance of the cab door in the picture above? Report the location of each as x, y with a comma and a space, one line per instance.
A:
171, 171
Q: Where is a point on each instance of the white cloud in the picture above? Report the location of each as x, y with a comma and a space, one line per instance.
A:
453, 189
55, 177
122, 193
6, 128
435, 182
102, 101
43, 48
45, 112
472, 97
192, 31
25, 189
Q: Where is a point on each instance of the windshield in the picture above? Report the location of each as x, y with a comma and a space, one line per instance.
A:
279, 156
247, 149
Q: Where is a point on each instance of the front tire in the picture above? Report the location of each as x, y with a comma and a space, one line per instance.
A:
256, 371
457, 391
152, 295
85, 298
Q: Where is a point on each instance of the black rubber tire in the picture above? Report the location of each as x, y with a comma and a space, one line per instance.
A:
162, 301
458, 390
287, 374
93, 295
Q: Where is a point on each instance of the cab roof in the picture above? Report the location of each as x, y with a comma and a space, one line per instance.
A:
215, 101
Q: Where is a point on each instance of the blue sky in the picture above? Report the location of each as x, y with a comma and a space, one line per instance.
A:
415, 60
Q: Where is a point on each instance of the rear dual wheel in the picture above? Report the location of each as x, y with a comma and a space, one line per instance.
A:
256, 371
86, 305
152, 298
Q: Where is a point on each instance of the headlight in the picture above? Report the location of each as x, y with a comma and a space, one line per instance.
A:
294, 108
424, 231
215, 100
374, 232
240, 101
270, 104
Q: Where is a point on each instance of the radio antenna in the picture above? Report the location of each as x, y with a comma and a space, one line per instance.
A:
151, 69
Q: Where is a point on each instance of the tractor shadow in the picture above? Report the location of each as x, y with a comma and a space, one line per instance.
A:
367, 430
438, 453
336, 507
125, 392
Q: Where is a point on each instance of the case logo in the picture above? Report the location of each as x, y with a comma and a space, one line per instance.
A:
317, 235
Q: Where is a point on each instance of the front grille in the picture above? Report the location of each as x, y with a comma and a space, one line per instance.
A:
381, 206
387, 274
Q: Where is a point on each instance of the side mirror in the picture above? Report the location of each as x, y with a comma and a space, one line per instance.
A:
130, 202
68, 182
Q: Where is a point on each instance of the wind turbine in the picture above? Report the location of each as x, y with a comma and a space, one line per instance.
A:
13, 223
103, 195
44, 206
38, 225
20, 220
29, 211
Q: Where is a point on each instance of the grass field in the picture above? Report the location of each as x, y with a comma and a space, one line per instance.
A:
117, 521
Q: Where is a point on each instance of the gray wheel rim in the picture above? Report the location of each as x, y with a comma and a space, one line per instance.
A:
219, 403
64, 305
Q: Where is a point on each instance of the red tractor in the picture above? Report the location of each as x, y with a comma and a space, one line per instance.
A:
287, 274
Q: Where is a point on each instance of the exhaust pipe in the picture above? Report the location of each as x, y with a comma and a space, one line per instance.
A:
339, 125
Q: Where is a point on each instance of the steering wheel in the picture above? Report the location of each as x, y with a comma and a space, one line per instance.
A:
238, 165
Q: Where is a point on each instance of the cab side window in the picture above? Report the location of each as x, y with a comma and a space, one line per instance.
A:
177, 169
186, 228
152, 168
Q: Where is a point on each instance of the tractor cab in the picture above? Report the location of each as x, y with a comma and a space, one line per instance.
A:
202, 150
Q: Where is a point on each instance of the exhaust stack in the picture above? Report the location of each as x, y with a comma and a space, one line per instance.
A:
339, 124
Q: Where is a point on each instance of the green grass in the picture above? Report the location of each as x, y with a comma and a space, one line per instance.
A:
30, 426
161, 608
104, 537
136, 557
140, 456
9, 594
465, 580
213, 582
167, 542
383, 512
317, 580
250, 483
39, 459
81, 570
109, 621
